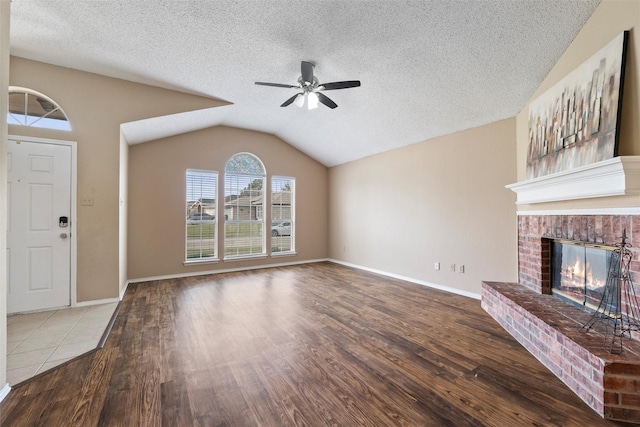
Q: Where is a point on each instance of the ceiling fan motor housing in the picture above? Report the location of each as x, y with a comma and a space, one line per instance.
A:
308, 86
308, 83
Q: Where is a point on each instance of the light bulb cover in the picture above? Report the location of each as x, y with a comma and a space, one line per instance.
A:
299, 101
312, 101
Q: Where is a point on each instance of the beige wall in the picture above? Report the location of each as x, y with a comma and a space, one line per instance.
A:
96, 107
440, 200
157, 197
5, 7
609, 19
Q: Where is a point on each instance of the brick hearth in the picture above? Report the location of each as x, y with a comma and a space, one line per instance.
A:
550, 328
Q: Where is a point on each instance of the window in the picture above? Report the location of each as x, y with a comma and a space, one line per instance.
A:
30, 108
201, 242
282, 215
243, 206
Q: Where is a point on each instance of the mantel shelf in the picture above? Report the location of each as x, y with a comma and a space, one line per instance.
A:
618, 176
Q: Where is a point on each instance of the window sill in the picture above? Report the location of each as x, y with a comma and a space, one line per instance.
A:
245, 257
279, 254
201, 261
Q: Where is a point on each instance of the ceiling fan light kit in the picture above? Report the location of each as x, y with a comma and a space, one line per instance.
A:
311, 88
299, 102
312, 100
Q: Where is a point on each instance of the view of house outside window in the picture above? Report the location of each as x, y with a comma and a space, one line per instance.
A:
244, 194
201, 242
282, 215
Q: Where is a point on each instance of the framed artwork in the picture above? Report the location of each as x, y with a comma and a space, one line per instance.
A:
576, 122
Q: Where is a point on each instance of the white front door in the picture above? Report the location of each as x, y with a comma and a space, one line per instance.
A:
38, 241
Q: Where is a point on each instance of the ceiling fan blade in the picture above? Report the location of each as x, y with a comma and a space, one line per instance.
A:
307, 71
325, 100
276, 85
290, 100
340, 85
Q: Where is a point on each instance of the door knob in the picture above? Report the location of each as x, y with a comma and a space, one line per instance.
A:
63, 235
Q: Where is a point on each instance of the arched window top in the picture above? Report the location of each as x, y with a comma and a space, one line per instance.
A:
245, 163
30, 108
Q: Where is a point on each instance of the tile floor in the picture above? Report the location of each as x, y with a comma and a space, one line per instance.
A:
39, 341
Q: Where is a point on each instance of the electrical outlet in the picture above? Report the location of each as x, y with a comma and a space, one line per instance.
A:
86, 201
436, 266
453, 268
461, 268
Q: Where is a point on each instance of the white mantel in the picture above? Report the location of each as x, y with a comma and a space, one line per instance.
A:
618, 176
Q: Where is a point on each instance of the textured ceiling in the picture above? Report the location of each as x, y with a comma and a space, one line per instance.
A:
428, 68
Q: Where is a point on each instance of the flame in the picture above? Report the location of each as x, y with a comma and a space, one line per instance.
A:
579, 274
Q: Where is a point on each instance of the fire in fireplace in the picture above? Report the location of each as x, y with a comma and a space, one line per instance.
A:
579, 271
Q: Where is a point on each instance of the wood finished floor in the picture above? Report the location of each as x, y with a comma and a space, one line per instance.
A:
310, 345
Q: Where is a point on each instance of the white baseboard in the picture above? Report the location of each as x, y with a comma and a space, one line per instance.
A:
226, 270
410, 279
4, 391
126, 285
96, 302
285, 264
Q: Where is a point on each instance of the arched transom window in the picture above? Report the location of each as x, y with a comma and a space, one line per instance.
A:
244, 200
30, 108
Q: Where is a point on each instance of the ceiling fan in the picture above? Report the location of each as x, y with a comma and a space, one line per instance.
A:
312, 89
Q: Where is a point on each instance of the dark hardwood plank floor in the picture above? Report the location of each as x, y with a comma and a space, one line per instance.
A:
310, 345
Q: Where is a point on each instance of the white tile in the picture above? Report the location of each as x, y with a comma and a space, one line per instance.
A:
33, 318
17, 335
60, 321
66, 351
11, 345
31, 344
89, 325
46, 331
103, 307
28, 358
88, 329
15, 376
78, 335
69, 313
12, 318
23, 327
97, 316
26, 323
48, 365
40, 341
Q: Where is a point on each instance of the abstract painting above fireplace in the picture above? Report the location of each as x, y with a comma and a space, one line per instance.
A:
576, 122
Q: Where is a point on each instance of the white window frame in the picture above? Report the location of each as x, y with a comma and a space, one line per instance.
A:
24, 119
250, 176
278, 240
201, 226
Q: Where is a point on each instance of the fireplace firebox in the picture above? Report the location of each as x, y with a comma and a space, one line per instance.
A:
579, 272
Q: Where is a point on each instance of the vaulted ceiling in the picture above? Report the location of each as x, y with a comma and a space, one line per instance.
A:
428, 68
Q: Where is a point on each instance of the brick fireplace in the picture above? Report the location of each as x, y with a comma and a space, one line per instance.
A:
550, 329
